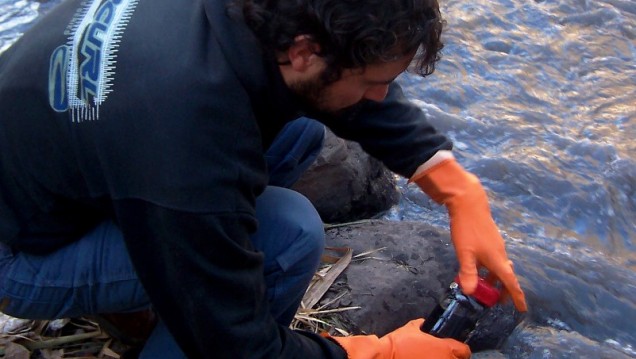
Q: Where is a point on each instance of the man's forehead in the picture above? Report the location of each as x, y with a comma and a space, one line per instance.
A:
381, 73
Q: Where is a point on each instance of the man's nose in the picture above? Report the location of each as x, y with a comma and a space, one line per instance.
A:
376, 93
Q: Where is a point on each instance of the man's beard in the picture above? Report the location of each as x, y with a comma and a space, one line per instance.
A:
310, 95
312, 99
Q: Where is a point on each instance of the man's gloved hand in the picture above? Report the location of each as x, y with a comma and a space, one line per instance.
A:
474, 234
407, 342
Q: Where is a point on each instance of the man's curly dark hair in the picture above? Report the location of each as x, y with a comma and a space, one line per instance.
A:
351, 33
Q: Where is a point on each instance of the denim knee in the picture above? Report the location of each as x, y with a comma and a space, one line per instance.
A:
301, 224
294, 150
291, 235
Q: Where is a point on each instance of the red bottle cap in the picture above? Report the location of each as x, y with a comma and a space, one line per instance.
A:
484, 293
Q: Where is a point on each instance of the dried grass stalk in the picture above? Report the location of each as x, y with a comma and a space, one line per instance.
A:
323, 280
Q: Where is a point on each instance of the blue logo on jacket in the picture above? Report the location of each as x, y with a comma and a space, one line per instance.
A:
82, 71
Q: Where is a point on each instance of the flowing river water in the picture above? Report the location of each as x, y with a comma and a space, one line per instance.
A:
539, 98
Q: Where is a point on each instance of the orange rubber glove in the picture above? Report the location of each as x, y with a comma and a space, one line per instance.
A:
474, 234
407, 342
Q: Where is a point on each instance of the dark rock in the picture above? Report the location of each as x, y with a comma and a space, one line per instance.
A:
580, 306
346, 184
403, 280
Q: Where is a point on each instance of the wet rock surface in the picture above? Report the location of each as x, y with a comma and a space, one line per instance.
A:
410, 264
346, 184
407, 271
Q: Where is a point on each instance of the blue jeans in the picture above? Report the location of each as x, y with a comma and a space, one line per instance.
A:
94, 274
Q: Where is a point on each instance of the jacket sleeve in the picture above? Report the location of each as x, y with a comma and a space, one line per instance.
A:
206, 282
394, 131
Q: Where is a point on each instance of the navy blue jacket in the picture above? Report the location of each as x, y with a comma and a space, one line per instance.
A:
156, 114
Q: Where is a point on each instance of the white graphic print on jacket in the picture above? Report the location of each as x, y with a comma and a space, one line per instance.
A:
82, 70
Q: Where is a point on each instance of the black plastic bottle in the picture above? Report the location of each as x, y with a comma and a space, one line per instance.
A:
457, 314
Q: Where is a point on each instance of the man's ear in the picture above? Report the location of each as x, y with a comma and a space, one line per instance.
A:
302, 54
